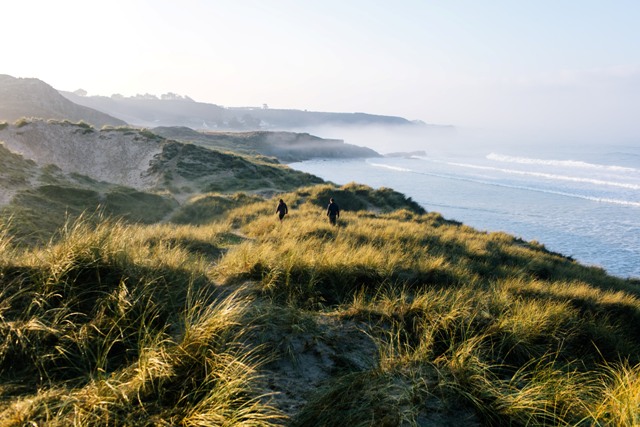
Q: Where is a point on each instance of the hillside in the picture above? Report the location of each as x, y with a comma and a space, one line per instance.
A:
34, 98
52, 170
285, 146
151, 111
138, 158
396, 317
146, 281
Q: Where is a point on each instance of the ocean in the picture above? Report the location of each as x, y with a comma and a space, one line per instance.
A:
582, 203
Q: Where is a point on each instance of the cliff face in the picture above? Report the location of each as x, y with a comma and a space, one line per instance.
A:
34, 98
110, 155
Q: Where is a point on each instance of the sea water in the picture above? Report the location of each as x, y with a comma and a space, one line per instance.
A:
586, 205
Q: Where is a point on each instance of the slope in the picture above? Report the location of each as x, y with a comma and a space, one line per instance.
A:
57, 170
151, 111
396, 318
33, 98
285, 146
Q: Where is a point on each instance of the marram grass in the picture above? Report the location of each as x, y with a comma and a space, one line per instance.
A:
119, 325
392, 318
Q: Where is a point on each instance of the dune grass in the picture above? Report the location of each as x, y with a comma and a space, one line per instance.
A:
512, 332
394, 317
38, 213
120, 325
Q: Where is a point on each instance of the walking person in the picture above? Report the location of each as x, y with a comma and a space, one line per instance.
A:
282, 209
333, 212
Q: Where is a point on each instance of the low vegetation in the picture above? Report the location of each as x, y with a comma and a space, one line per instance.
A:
285, 146
179, 182
15, 170
206, 170
36, 214
395, 317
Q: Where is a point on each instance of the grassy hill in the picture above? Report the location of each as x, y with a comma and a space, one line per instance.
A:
175, 110
146, 281
66, 169
28, 97
394, 317
285, 146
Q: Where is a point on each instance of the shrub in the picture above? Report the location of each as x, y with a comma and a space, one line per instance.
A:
21, 122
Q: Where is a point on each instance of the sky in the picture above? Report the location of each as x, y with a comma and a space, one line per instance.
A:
548, 67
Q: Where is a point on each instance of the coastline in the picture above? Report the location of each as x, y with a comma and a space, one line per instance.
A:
584, 230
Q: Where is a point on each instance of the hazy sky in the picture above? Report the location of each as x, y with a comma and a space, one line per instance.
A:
560, 66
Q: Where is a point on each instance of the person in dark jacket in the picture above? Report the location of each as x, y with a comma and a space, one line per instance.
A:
282, 209
333, 211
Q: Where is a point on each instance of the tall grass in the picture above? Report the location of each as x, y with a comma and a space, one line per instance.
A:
393, 317
508, 330
618, 400
122, 326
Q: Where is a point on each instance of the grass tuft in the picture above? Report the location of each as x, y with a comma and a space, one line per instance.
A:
231, 317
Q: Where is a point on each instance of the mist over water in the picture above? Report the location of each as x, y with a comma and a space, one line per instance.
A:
580, 200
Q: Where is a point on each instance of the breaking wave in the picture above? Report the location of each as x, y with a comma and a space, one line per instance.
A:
558, 163
394, 168
519, 187
551, 176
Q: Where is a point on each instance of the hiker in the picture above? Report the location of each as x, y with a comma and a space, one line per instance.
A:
282, 209
333, 211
